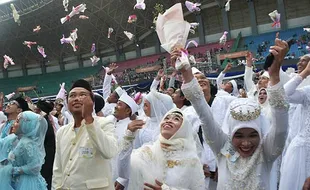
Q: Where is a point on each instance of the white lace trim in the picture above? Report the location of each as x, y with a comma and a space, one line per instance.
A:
242, 172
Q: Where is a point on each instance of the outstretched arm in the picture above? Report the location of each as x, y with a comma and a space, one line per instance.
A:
294, 95
106, 86
220, 78
156, 81
274, 142
248, 72
214, 136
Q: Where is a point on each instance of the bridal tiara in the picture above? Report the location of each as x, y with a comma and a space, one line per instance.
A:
251, 113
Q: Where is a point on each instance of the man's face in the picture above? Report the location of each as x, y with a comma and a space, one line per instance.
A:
170, 91
75, 99
12, 107
122, 110
302, 63
176, 97
113, 98
205, 86
262, 82
228, 87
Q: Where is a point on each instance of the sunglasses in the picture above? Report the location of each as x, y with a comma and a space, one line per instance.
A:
14, 102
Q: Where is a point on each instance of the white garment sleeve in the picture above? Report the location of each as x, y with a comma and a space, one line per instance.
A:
284, 77
219, 80
102, 136
274, 142
106, 86
248, 80
154, 84
57, 167
214, 135
125, 154
294, 96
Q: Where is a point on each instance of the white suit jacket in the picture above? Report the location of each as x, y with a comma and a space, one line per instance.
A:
83, 157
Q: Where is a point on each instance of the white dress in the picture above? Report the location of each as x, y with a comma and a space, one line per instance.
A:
255, 170
204, 151
296, 161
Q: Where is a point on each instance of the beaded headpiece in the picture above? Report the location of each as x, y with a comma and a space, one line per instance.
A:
246, 111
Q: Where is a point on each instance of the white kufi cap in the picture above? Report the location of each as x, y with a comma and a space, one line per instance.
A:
120, 91
130, 102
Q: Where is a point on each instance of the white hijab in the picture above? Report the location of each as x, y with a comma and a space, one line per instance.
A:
148, 162
160, 105
243, 170
266, 109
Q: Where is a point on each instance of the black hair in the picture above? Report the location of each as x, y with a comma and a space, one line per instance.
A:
186, 101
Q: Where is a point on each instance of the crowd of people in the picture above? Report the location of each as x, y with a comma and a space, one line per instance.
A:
130, 76
184, 134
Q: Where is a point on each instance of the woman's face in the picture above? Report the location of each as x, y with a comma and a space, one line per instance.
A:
245, 141
147, 108
140, 100
262, 96
16, 125
171, 125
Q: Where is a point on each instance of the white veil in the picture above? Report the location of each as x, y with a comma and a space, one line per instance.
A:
148, 162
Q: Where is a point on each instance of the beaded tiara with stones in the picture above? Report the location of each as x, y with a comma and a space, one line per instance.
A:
245, 110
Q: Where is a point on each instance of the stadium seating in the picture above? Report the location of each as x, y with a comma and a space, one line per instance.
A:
259, 45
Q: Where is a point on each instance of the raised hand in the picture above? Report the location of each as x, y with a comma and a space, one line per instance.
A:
227, 68
279, 51
112, 68
88, 106
306, 72
249, 59
160, 74
135, 125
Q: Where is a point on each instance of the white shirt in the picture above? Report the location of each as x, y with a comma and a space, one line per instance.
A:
120, 129
108, 109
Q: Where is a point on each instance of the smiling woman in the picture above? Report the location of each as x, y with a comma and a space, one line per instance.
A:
171, 162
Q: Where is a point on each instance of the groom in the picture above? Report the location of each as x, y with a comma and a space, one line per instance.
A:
84, 147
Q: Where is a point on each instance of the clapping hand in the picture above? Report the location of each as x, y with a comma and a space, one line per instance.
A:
88, 106
154, 187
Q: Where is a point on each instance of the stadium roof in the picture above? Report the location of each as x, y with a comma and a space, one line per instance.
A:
47, 13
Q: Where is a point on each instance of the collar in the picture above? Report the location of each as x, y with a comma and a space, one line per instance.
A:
127, 119
184, 107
